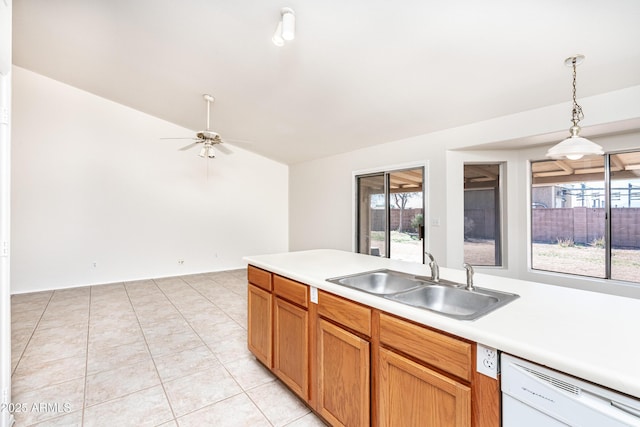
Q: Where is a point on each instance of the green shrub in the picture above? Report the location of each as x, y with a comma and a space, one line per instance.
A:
417, 221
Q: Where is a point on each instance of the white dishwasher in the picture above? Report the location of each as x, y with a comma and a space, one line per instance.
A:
535, 396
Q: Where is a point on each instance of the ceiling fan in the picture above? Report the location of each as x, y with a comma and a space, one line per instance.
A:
208, 138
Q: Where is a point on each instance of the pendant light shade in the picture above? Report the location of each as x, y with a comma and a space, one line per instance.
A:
575, 147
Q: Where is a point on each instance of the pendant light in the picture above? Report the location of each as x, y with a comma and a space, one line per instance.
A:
575, 147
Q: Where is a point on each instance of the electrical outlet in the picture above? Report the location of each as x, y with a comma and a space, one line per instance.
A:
487, 361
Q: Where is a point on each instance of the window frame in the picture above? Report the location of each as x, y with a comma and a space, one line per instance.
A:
500, 205
607, 181
386, 171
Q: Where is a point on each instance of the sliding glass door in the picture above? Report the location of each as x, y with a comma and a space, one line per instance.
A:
390, 214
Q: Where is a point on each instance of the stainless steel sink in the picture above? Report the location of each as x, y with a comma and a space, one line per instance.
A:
379, 282
443, 297
458, 303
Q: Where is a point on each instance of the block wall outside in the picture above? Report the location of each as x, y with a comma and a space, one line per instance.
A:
479, 223
378, 220
585, 225
581, 225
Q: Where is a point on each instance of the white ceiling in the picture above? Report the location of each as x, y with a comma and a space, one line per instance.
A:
359, 73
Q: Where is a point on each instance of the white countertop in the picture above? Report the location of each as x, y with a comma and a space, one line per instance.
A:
590, 335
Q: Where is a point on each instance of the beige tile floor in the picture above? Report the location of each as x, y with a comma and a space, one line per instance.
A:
164, 352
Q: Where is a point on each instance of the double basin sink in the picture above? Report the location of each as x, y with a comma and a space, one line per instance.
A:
444, 297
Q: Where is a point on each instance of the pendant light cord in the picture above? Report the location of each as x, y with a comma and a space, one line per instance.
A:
577, 113
574, 147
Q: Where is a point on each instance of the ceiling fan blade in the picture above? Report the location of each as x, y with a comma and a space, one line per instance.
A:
242, 143
180, 138
224, 149
187, 147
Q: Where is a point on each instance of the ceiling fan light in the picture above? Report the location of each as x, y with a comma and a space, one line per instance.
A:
203, 152
210, 153
288, 22
277, 36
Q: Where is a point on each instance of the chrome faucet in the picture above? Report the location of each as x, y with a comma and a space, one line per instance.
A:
469, 269
433, 265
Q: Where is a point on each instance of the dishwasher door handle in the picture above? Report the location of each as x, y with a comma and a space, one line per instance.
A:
626, 408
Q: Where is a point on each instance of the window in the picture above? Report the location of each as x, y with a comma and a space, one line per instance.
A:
625, 216
482, 214
585, 216
390, 214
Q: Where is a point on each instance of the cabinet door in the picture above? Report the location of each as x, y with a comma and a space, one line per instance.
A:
291, 346
413, 395
259, 324
343, 376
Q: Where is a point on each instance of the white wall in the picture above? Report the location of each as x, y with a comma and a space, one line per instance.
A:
93, 183
321, 197
6, 419
321, 193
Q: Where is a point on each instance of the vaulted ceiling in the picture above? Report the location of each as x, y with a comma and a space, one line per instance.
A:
359, 73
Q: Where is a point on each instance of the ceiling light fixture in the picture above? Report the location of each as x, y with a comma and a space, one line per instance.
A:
277, 36
575, 147
286, 29
207, 151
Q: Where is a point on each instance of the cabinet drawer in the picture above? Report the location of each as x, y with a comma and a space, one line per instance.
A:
438, 350
347, 313
290, 290
259, 277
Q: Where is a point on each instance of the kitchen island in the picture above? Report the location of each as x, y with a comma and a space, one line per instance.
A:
586, 334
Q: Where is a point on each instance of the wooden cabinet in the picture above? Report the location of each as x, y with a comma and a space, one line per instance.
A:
411, 394
259, 323
442, 351
259, 309
260, 278
343, 361
278, 327
352, 316
343, 376
358, 366
424, 376
291, 346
